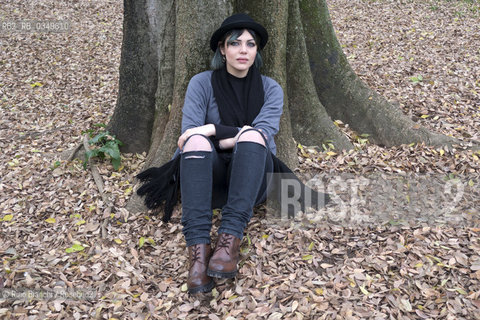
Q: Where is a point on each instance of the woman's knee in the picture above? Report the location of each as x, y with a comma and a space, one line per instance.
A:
197, 142
252, 136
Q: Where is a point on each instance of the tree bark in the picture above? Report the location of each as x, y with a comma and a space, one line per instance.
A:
165, 74
133, 117
167, 42
310, 121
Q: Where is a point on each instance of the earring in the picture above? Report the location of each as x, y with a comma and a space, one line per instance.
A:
223, 59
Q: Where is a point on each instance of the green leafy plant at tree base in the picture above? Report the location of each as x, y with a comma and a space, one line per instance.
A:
104, 144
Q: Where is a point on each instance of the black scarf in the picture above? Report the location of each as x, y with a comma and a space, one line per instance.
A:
232, 111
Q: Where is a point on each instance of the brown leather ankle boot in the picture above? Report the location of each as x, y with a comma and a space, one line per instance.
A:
223, 263
198, 281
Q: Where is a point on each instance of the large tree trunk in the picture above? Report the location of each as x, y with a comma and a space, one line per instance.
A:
133, 118
166, 43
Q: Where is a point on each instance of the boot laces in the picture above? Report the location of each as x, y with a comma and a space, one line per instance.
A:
196, 253
225, 241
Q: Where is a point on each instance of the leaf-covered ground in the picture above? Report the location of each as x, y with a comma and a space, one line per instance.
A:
338, 264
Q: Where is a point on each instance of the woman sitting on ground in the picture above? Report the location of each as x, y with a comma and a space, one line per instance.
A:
230, 118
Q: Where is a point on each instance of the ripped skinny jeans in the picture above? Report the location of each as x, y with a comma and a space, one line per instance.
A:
234, 181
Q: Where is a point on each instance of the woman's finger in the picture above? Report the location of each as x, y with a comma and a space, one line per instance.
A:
181, 141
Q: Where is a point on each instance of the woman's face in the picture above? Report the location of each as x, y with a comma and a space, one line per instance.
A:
239, 54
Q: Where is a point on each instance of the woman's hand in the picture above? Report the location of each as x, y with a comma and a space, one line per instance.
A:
206, 130
229, 143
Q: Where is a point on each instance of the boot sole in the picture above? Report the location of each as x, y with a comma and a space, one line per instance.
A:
205, 288
223, 275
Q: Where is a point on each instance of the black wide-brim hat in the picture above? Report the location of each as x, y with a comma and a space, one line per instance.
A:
239, 21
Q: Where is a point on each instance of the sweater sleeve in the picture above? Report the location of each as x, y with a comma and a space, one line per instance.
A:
268, 120
196, 103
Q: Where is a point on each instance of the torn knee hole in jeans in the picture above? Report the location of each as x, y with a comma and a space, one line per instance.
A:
194, 157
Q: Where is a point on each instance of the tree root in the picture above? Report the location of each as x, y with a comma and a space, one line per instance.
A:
74, 152
99, 182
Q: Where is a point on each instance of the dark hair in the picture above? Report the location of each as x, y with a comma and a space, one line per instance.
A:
217, 60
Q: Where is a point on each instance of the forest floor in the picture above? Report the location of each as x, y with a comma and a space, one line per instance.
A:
401, 239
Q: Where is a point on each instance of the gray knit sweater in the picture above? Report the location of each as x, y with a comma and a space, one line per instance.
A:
200, 107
